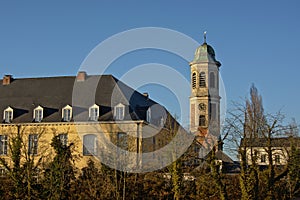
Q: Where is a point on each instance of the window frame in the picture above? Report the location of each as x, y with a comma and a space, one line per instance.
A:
10, 116
93, 108
69, 117
202, 120
277, 158
117, 114
212, 80
148, 115
202, 80
40, 116
63, 138
89, 145
263, 158
194, 80
33, 144
3, 145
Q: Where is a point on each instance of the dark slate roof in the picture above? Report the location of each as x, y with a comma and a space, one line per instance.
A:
54, 93
220, 155
275, 142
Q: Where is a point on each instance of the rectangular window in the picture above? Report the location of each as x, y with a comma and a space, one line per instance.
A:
67, 115
7, 116
202, 120
122, 141
89, 144
94, 114
263, 158
3, 144
277, 159
38, 115
212, 111
33, 144
119, 115
63, 139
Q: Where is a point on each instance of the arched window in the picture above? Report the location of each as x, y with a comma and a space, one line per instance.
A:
202, 120
194, 80
89, 144
202, 80
212, 81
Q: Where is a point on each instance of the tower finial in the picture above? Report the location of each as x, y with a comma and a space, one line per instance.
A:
204, 36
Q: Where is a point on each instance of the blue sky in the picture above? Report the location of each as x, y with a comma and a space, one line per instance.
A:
256, 41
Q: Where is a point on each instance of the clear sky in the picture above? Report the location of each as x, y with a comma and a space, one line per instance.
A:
256, 41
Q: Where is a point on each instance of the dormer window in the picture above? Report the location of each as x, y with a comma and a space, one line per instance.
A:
148, 115
94, 112
38, 114
67, 113
119, 112
8, 115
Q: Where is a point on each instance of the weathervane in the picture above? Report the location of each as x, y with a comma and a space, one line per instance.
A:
204, 36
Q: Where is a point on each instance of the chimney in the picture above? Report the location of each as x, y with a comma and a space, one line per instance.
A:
7, 79
81, 76
146, 95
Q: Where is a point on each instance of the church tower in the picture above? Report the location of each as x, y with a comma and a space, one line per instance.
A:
205, 99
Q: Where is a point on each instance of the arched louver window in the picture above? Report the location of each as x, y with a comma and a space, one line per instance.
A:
202, 80
194, 80
212, 81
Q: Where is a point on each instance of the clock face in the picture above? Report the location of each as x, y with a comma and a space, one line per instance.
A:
201, 106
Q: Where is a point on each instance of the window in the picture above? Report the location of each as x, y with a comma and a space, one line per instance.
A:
63, 139
162, 122
32, 144
119, 112
263, 158
277, 159
212, 111
89, 144
202, 82
8, 115
202, 120
3, 144
67, 113
148, 115
3, 172
122, 140
212, 82
38, 114
194, 80
94, 112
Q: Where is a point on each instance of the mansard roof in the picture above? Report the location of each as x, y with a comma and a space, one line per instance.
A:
54, 93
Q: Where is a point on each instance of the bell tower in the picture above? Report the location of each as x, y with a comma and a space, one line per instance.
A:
205, 99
